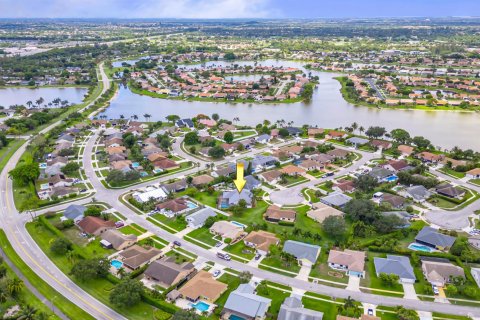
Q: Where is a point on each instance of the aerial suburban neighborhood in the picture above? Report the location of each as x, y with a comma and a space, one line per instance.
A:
239, 166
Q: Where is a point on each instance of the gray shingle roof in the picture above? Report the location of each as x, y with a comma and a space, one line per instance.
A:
433, 237
73, 211
418, 192
398, 265
302, 250
244, 301
336, 199
292, 309
198, 218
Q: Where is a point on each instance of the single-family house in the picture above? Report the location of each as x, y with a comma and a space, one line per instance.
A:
136, 257
233, 197
276, 214
434, 239
305, 253
292, 309
197, 219
261, 241
473, 174
448, 190
441, 271
227, 230
74, 212
272, 176
350, 261
336, 199
397, 265
245, 304
151, 193
292, 170
203, 286
166, 272
418, 193
173, 207
201, 180
95, 225
117, 240
320, 211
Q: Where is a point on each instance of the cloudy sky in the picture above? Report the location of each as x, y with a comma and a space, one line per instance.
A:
235, 8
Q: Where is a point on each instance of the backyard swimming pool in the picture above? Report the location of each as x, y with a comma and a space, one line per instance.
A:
201, 306
239, 224
191, 205
392, 178
420, 247
117, 264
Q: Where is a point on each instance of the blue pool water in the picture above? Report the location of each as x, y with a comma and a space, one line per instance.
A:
143, 174
235, 317
135, 164
117, 264
201, 306
191, 205
392, 178
419, 247
239, 224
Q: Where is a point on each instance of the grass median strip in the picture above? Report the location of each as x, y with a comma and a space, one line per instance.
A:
63, 304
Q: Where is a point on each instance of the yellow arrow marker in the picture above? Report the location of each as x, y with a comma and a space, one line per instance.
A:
240, 181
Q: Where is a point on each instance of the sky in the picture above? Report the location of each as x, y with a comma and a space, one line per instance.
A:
218, 9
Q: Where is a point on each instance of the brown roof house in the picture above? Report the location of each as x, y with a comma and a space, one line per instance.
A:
117, 240
440, 273
227, 230
292, 170
272, 176
95, 225
172, 208
202, 180
203, 286
261, 241
136, 257
276, 214
320, 211
405, 150
167, 272
350, 261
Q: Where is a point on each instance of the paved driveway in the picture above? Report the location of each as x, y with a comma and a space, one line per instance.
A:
409, 290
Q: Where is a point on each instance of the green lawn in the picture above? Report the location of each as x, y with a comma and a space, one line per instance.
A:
372, 281
66, 306
98, 288
278, 263
130, 230
277, 297
174, 223
240, 249
453, 173
233, 282
321, 270
203, 235
329, 309
207, 199
7, 152
290, 180
475, 181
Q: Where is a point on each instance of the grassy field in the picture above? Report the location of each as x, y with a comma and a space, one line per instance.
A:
98, 288
174, 223
66, 306
277, 297
203, 235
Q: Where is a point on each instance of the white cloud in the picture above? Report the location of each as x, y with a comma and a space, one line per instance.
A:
138, 8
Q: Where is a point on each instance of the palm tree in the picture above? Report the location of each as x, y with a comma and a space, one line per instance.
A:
361, 129
39, 101
3, 296
121, 273
29, 103
15, 286
354, 126
147, 116
135, 117
27, 313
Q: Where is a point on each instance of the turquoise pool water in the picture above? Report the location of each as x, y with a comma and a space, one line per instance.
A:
135, 164
117, 264
239, 224
235, 317
392, 178
201, 306
420, 247
191, 205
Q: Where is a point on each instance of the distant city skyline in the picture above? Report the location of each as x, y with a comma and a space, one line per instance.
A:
217, 9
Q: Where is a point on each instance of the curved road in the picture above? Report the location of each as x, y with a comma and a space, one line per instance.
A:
14, 225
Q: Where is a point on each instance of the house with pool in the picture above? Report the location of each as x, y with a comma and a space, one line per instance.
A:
244, 304
232, 197
432, 239
200, 292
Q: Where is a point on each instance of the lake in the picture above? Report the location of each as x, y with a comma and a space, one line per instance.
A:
11, 96
327, 109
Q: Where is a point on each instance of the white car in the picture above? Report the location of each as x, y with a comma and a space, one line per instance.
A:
216, 273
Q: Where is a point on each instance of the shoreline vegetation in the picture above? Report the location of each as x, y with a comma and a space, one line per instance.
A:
166, 96
359, 103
